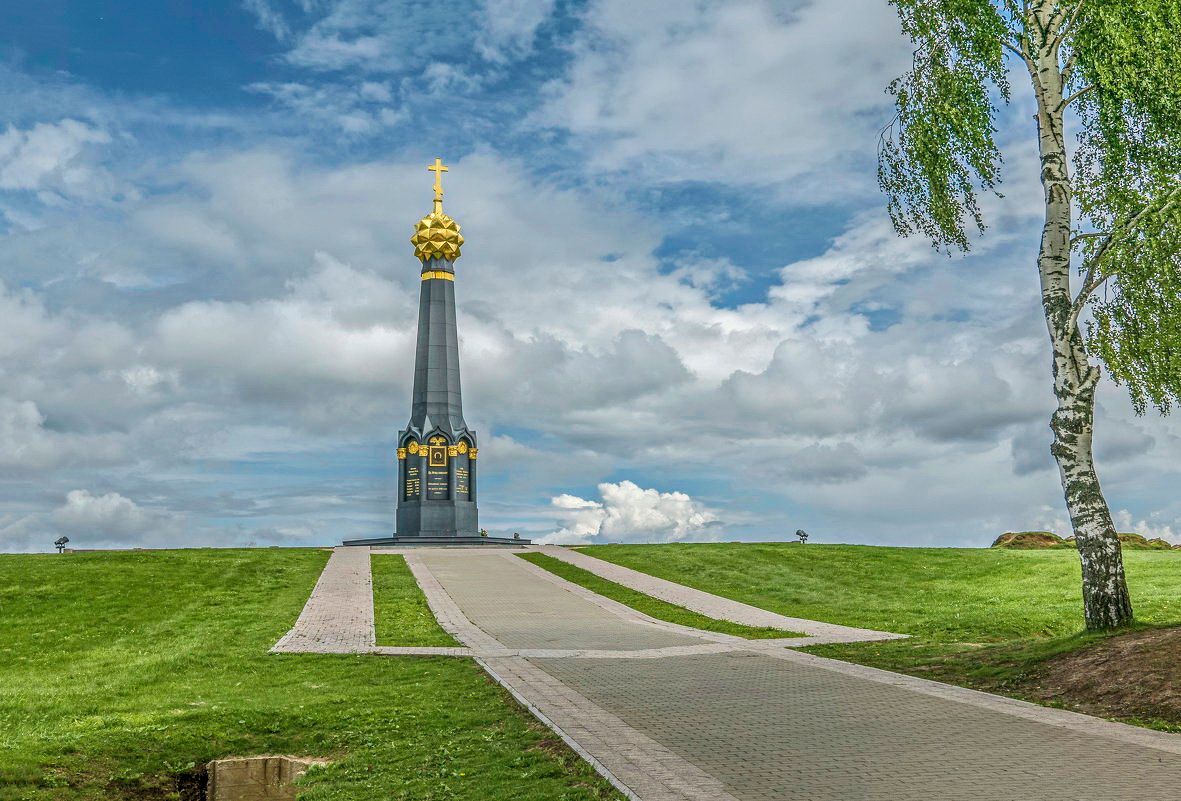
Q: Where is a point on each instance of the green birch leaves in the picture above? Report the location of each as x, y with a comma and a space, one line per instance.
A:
941, 144
1128, 185
1122, 63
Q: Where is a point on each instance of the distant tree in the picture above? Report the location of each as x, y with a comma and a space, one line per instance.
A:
801, 535
1111, 69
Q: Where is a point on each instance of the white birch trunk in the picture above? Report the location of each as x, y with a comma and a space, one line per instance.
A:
1105, 593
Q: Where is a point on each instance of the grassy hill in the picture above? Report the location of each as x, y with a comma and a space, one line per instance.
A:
987, 618
120, 672
1034, 540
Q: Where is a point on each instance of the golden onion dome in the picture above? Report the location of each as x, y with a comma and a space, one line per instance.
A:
437, 236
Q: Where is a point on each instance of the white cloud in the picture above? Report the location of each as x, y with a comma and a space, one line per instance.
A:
372, 36
91, 520
53, 162
356, 109
112, 517
751, 93
1048, 518
628, 513
508, 27
26, 444
328, 329
269, 19
387, 36
146, 380
48, 154
257, 306
301, 342
1125, 521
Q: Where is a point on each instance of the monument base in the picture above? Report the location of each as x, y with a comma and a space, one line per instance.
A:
459, 541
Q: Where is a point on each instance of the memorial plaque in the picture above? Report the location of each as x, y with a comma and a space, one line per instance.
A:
462, 479
413, 484
438, 479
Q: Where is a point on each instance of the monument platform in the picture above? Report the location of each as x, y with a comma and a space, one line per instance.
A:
440, 542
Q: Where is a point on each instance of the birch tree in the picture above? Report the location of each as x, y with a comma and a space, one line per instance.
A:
1105, 76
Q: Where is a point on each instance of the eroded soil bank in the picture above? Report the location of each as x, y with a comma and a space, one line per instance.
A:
1132, 676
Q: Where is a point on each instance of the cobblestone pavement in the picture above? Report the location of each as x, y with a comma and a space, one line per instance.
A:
502, 597
758, 724
713, 605
338, 617
769, 729
673, 714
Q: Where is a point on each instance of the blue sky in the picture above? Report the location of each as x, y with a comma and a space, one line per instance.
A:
683, 313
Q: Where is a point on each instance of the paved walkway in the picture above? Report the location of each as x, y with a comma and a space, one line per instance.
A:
338, 618
670, 713
712, 605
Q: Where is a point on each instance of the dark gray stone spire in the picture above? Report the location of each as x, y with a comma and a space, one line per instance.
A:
437, 401
437, 453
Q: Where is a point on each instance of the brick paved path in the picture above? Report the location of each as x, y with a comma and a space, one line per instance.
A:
713, 605
770, 729
672, 714
338, 618
762, 724
501, 595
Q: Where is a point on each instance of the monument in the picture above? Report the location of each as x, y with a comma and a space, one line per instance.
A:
436, 451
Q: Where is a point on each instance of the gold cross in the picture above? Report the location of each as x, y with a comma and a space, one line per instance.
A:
438, 168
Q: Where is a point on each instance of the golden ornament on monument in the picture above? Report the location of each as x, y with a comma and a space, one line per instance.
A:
436, 236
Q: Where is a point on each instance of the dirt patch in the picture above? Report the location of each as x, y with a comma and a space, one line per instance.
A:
1134, 675
554, 746
188, 785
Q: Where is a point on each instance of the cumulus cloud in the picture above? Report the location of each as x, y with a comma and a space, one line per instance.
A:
578, 349
52, 162
628, 513
47, 153
112, 518
27, 444
391, 36
330, 328
798, 78
237, 338
1151, 529
94, 520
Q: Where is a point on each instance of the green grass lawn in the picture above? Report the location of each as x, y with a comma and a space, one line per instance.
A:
118, 670
979, 617
650, 606
401, 614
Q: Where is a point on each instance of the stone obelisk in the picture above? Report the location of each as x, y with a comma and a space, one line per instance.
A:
437, 453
